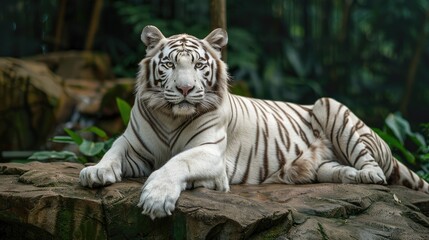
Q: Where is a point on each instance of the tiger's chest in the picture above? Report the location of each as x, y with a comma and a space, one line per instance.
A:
162, 138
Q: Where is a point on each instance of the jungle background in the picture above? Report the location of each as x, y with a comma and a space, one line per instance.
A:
370, 55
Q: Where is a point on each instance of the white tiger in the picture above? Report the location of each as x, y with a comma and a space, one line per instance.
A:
186, 131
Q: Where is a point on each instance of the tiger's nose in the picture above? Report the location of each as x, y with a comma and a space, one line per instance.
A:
185, 89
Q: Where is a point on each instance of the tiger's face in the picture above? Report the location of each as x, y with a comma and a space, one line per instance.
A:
182, 75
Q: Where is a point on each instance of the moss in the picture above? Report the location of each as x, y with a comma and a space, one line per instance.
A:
179, 226
86, 226
65, 223
89, 227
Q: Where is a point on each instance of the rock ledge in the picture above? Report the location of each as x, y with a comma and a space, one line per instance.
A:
45, 201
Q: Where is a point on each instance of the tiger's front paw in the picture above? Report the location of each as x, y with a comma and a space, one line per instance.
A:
159, 195
96, 176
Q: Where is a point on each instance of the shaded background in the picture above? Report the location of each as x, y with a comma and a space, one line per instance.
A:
370, 55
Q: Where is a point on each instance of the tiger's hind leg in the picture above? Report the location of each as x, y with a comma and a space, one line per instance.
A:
347, 135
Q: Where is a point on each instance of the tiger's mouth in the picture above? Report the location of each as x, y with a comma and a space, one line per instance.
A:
184, 104
184, 108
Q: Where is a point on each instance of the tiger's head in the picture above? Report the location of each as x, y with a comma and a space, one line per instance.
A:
182, 75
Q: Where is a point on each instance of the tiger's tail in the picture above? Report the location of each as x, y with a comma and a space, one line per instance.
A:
401, 175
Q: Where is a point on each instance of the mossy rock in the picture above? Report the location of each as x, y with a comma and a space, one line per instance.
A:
45, 201
32, 101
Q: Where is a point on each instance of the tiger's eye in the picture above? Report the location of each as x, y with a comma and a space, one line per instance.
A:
198, 65
169, 64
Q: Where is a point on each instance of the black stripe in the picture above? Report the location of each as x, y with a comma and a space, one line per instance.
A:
150, 162
317, 120
345, 120
232, 116
237, 158
323, 163
266, 160
199, 132
257, 137
362, 153
304, 120
146, 115
215, 142
352, 131
328, 109
130, 160
246, 174
281, 160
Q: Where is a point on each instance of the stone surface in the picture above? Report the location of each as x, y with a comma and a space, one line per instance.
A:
32, 101
39, 96
45, 201
77, 64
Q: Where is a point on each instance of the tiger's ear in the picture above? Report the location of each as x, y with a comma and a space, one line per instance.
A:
218, 39
151, 36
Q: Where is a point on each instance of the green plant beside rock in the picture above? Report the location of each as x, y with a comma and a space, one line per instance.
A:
88, 149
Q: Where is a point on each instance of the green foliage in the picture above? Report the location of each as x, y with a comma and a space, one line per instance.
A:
348, 50
91, 149
283, 49
409, 147
74, 137
53, 155
124, 110
88, 149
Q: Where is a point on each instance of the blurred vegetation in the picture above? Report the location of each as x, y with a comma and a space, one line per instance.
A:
407, 146
370, 55
89, 151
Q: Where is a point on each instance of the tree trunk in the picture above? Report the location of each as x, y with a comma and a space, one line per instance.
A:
60, 24
412, 70
345, 21
218, 18
93, 27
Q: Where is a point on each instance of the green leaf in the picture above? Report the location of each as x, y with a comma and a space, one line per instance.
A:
99, 132
124, 109
48, 155
418, 139
90, 149
108, 143
399, 126
62, 139
424, 157
394, 143
401, 129
76, 138
82, 159
294, 58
